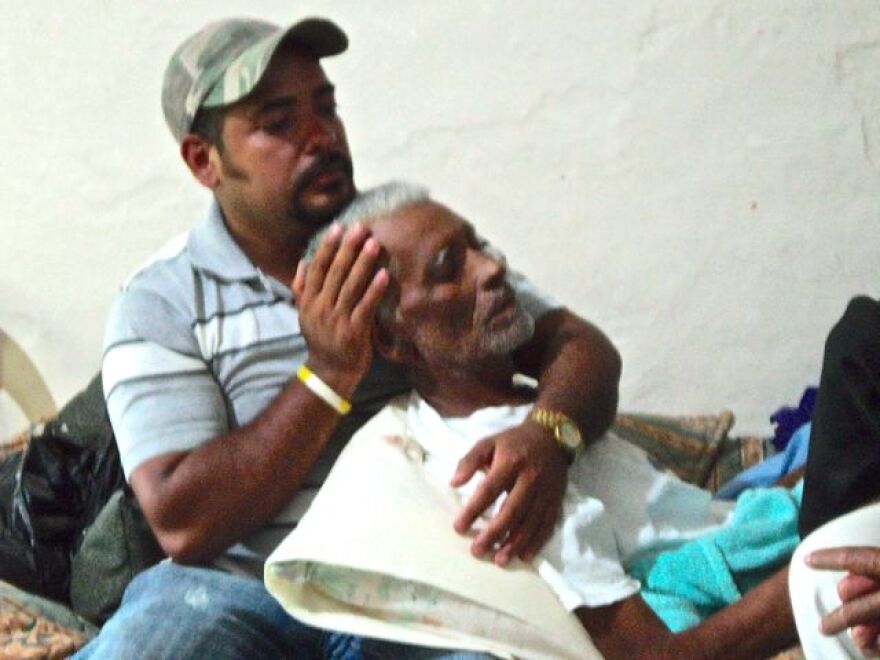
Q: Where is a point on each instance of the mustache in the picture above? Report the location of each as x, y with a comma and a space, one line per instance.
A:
327, 160
494, 301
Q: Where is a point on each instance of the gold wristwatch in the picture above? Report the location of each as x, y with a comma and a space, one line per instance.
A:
566, 432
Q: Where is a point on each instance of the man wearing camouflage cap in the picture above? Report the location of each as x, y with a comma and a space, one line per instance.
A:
230, 399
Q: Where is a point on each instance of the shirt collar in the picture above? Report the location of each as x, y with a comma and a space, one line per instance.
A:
212, 249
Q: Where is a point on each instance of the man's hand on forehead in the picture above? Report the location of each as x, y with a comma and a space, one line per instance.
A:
337, 294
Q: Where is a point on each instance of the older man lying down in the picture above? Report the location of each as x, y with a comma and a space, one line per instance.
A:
450, 317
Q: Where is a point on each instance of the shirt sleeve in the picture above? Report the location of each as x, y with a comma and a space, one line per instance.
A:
161, 394
582, 562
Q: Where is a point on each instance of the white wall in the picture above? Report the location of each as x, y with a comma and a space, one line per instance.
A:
701, 179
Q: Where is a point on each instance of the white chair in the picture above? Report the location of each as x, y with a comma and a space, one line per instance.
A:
20, 378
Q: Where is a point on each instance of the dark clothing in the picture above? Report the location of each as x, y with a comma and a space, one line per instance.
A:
843, 466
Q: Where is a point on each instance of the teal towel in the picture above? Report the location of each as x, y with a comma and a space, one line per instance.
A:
685, 585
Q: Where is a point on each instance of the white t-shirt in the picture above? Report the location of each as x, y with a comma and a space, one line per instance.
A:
617, 504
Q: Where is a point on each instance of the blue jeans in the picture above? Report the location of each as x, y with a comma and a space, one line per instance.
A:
178, 612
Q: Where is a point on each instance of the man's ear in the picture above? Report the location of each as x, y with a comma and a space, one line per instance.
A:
202, 159
390, 345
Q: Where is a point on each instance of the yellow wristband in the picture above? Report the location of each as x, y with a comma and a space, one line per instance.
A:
323, 391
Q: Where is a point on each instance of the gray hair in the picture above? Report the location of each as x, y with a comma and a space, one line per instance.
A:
367, 208
373, 204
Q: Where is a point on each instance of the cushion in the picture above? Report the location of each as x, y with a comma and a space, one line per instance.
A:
696, 448
115, 548
33, 627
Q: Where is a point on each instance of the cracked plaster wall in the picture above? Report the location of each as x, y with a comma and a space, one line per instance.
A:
701, 179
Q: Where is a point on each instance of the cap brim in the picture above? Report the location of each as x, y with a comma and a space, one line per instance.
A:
324, 38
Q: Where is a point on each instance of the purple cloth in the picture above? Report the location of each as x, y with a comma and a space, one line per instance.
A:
788, 420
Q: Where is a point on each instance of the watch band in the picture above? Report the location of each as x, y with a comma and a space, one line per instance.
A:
556, 422
549, 419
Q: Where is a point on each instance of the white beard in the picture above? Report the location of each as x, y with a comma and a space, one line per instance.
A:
507, 339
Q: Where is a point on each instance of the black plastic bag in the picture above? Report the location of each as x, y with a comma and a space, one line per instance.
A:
19, 560
52, 491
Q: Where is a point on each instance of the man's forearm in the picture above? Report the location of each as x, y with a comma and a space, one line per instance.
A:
200, 502
577, 368
757, 626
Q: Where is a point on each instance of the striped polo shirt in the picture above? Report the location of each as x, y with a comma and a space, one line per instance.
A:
199, 341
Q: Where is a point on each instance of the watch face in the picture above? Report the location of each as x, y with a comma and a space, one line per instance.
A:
569, 435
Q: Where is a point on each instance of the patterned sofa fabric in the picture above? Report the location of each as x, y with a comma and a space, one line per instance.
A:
34, 627
697, 448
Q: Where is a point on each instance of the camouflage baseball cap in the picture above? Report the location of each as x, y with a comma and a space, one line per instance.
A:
224, 61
